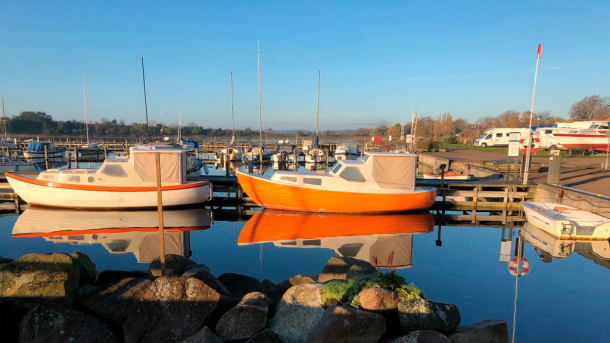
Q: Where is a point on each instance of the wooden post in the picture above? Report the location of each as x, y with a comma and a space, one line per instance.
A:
474, 205
160, 212
505, 205
69, 159
76, 157
46, 157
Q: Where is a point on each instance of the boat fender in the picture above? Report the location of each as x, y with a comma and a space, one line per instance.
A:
205, 169
211, 192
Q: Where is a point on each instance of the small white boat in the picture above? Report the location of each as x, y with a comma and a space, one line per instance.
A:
567, 222
120, 183
345, 152
9, 165
449, 176
35, 152
318, 156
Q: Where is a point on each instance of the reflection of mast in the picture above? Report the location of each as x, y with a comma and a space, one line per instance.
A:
517, 276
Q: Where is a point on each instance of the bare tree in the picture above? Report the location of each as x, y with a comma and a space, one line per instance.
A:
592, 107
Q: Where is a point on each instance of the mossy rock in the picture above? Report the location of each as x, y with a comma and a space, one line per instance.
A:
346, 292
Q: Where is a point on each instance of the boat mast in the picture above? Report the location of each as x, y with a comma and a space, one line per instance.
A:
145, 103
5, 121
317, 111
528, 154
85, 95
232, 115
260, 103
179, 125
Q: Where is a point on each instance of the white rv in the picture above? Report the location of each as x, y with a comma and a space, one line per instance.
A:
500, 137
548, 141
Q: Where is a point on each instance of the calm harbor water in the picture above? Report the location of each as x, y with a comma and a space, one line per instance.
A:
563, 297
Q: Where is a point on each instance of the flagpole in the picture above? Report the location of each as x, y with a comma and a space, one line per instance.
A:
528, 157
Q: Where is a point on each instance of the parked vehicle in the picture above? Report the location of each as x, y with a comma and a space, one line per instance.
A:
499, 137
548, 140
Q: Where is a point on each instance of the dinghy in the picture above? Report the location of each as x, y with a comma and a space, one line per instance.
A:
567, 222
380, 182
120, 183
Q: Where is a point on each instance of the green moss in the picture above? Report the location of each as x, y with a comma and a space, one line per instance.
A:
346, 292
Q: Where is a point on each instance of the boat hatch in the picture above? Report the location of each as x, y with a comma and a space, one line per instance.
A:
395, 172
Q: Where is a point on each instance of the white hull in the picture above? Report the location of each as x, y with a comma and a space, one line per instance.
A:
52, 196
586, 139
566, 222
449, 177
31, 155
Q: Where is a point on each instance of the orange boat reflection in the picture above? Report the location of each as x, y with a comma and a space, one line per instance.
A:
372, 238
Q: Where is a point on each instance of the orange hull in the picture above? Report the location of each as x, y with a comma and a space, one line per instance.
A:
273, 225
269, 194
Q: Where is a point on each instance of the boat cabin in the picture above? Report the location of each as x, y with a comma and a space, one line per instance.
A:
139, 169
387, 172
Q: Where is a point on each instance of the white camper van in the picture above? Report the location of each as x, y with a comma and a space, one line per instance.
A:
499, 137
547, 140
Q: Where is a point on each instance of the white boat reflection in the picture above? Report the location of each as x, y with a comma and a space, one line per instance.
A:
383, 240
134, 232
548, 247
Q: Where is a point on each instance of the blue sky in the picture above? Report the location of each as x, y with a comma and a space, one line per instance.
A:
378, 59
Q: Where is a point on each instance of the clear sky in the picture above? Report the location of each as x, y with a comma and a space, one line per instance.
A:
378, 59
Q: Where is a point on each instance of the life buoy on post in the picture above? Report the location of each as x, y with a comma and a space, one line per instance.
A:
523, 145
514, 263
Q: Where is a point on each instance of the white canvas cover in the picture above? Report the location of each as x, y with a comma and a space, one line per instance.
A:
144, 164
394, 172
400, 247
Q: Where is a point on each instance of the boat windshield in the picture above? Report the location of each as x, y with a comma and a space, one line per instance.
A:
336, 168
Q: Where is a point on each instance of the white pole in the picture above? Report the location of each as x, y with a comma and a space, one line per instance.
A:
318, 110
85, 95
260, 103
528, 157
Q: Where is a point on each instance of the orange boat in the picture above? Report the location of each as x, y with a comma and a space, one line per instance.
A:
367, 237
380, 182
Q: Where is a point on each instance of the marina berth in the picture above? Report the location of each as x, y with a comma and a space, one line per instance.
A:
380, 182
567, 222
120, 183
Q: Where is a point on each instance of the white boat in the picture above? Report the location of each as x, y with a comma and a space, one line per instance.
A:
120, 183
567, 222
255, 154
120, 232
593, 138
448, 176
9, 165
35, 152
284, 154
345, 152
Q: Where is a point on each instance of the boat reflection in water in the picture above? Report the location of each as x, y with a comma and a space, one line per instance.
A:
548, 247
372, 238
135, 232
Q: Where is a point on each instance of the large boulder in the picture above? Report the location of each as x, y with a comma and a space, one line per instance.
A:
422, 336
347, 324
9, 325
378, 299
238, 284
172, 309
297, 313
345, 268
110, 276
293, 281
39, 278
271, 290
485, 331
116, 301
50, 323
86, 267
174, 265
204, 335
246, 319
226, 301
420, 314
265, 336
4, 260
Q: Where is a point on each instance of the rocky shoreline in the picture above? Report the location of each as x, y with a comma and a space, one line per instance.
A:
62, 298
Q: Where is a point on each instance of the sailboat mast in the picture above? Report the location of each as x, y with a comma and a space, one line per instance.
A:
232, 115
260, 102
179, 125
145, 103
85, 96
318, 110
5, 121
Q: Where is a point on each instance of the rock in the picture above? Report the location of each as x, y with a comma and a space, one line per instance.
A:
115, 301
108, 277
4, 260
297, 313
174, 265
246, 319
84, 290
345, 268
293, 281
9, 325
204, 335
86, 268
347, 324
422, 336
265, 336
172, 309
195, 268
226, 301
420, 314
238, 284
38, 278
378, 299
485, 331
271, 290
49, 323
